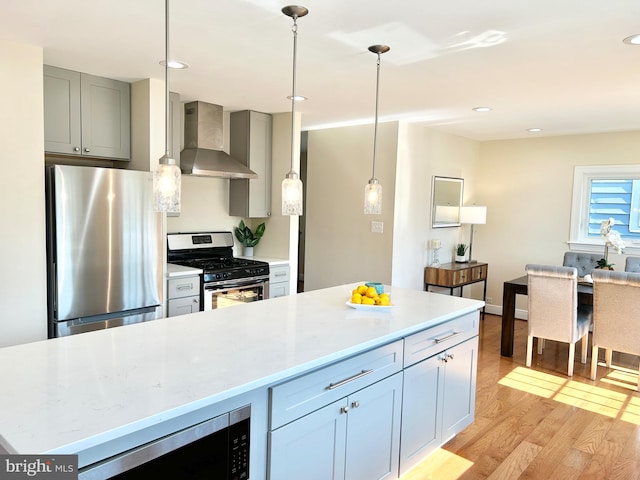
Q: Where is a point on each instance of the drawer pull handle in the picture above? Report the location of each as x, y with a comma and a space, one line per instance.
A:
280, 274
186, 286
363, 373
446, 337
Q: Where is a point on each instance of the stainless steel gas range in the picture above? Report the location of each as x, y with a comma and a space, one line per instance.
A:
226, 280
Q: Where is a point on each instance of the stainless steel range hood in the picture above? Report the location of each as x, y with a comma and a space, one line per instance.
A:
203, 141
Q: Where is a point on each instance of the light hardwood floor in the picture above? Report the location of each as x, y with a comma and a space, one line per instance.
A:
538, 423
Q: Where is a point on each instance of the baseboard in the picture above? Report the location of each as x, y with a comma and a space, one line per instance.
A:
497, 310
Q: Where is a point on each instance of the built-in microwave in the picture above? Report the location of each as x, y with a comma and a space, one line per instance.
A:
214, 449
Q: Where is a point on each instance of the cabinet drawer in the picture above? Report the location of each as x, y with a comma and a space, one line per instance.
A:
183, 287
278, 273
182, 306
304, 394
479, 273
427, 343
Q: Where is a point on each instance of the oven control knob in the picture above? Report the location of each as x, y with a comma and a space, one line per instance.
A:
217, 276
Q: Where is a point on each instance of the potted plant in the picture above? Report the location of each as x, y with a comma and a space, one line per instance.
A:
248, 238
603, 264
461, 252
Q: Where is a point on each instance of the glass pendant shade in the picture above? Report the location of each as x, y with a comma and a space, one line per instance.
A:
373, 198
292, 194
166, 186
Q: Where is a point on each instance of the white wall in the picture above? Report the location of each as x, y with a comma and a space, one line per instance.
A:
340, 247
527, 187
423, 153
23, 290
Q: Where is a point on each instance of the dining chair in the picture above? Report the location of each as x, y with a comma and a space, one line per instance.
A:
585, 263
632, 264
616, 303
554, 313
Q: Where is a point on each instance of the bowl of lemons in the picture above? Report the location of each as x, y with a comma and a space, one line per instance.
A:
370, 297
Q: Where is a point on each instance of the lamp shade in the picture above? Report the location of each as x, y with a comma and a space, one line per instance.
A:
473, 215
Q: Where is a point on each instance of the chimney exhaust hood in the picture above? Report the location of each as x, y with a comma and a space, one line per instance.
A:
203, 141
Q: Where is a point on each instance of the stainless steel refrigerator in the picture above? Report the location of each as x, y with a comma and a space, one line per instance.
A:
104, 249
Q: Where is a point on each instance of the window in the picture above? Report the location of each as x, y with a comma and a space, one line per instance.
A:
601, 192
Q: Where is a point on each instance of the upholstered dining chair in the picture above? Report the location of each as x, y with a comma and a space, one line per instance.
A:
585, 263
554, 313
632, 264
616, 303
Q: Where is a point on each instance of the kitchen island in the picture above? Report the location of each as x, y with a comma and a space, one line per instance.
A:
101, 393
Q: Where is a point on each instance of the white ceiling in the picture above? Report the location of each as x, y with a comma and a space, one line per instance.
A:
555, 64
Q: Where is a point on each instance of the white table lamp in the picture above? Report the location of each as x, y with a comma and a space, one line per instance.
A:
473, 215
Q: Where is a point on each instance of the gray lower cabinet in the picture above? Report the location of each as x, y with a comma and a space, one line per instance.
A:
377, 414
439, 391
279, 276
339, 422
85, 115
353, 438
183, 294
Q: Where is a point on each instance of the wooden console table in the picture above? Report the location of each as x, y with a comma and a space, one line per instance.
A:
457, 275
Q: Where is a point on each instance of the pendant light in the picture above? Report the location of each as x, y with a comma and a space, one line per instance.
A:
166, 178
292, 185
373, 189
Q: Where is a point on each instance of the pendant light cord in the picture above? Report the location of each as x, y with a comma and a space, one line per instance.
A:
375, 125
294, 29
166, 78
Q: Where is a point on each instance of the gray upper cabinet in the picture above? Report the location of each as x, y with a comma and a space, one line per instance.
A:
86, 115
250, 143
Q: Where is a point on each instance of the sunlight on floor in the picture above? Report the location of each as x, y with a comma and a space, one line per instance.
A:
438, 462
588, 397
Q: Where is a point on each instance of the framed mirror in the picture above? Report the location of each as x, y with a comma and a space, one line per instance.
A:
446, 200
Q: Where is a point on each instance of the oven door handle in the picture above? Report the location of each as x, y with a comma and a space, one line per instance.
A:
243, 283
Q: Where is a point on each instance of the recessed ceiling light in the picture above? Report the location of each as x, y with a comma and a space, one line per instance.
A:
534, 130
632, 40
175, 64
299, 98
482, 109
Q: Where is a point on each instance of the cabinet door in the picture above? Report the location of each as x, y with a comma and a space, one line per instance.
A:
61, 111
182, 306
311, 447
250, 142
420, 432
373, 431
278, 290
459, 390
105, 108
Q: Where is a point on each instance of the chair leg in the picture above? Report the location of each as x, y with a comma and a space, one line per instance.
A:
572, 357
594, 362
608, 357
585, 341
529, 350
540, 345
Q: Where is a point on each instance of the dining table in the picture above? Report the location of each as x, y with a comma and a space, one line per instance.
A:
519, 286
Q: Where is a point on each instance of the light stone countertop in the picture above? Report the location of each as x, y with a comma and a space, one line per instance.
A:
174, 270
73, 393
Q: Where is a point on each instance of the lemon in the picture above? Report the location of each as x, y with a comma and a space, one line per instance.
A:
356, 298
368, 301
371, 292
362, 289
385, 300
